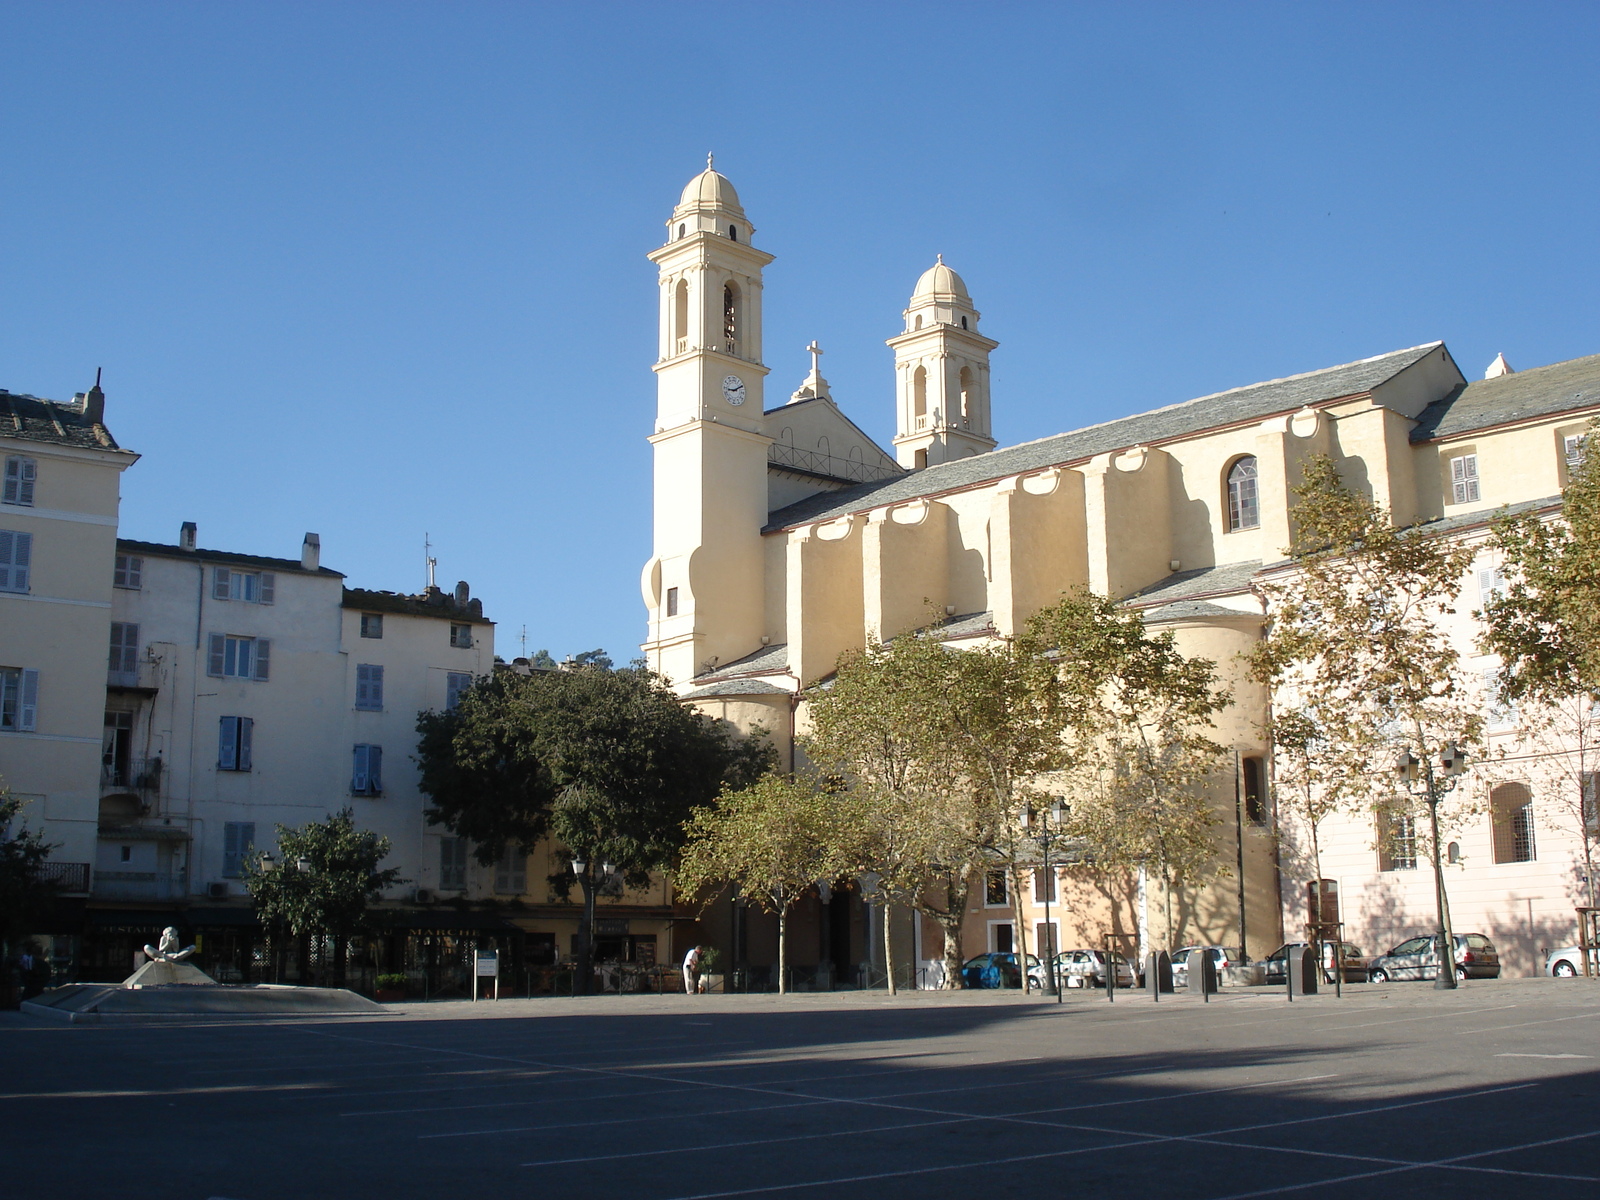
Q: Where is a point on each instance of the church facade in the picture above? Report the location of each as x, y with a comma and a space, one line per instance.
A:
784, 536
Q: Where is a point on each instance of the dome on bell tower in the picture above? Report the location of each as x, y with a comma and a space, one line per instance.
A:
710, 189
939, 280
709, 205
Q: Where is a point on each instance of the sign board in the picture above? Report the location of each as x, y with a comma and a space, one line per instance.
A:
489, 964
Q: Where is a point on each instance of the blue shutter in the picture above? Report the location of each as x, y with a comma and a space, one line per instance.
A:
215, 656
13, 481
220, 586
246, 735
8, 542
375, 687
29, 470
375, 768
358, 774
269, 583
263, 652
20, 558
228, 744
28, 709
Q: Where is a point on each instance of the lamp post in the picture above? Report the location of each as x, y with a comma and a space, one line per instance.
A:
584, 979
1437, 778
1047, 835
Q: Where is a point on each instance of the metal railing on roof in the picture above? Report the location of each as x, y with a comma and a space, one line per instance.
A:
851, 470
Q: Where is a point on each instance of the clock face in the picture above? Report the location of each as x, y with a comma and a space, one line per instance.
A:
733, 390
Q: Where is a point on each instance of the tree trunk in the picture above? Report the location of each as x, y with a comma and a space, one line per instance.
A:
1019, 938
783, 949
888, 949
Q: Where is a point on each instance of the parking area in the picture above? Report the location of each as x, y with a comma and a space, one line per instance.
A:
1490, 1090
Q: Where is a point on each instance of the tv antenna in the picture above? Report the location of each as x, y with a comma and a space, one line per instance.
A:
428, 559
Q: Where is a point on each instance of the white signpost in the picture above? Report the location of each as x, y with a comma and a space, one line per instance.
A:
488, 968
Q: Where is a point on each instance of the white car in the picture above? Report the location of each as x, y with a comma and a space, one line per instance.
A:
1568, 961
1223, 956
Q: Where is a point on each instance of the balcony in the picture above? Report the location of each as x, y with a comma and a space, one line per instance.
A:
142, 775
66, 876
140, 885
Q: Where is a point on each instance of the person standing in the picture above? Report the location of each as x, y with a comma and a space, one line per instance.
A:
691, 971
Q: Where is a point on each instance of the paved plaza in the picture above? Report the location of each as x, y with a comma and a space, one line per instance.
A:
1489, 1091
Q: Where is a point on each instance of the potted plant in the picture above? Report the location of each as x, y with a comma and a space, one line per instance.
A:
390, 988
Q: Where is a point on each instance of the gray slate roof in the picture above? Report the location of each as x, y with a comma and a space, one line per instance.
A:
1187, 609
736, 687
436, 602
1202, 581
161, 549
36, 420
1252, 403
1539, 392
769, 660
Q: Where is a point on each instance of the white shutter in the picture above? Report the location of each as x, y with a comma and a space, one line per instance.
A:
263, 651
29, 471
1491, 580
221, 586
15, 551
228, 744
269, 583
28, 709
215, 656
246, 736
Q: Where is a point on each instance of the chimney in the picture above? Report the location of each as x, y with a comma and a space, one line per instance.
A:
311, 552
463, 594
188, 535
94, 402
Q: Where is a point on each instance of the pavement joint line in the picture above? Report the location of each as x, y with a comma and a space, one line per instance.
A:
441, 1108
1438, 1162
798, 1137
1239, 1087
1373, 1158
669, 1116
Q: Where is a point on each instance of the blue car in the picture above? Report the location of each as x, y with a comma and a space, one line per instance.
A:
998, 969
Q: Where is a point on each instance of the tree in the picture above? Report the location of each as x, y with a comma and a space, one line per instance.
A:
610, 762
593, 658
544, 661
24, 890
773, 841
1135, 717
1356, 646
876, 726
320, 883
1544, 624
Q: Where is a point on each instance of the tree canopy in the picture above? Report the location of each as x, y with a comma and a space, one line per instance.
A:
24, 890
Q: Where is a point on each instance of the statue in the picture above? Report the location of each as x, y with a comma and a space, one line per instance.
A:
167, 951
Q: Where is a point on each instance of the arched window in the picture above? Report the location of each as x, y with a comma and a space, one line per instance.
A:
733, 232
1511, 812
920, 459
680, 317
1244, 504
730, 319
682, 230
823, 448
968, 395
917, 321
919, 392
963, 322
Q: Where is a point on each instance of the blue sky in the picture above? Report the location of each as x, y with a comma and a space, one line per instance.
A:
377, 270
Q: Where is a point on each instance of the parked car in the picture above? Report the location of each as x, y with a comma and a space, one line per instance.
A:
999, 969
1418, 958
1568, 961
1352, 963
1087, 968
1223, 956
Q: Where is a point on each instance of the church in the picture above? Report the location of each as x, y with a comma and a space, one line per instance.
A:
784, 536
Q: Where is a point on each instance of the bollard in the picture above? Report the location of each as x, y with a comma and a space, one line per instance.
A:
1158, 974
1300, 971
1203, 973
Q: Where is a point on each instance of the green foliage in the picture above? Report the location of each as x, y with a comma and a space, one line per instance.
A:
610, 762
1545, 624
391, 983
593, 658
544, 661
24, 892
331, 895
1135, 725
1358, 654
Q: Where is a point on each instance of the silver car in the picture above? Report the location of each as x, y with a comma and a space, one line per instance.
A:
1568, 961
1418, 958
1223, 956
1087, 968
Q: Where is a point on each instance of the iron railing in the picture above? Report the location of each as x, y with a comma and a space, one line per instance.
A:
850, 469
68, 876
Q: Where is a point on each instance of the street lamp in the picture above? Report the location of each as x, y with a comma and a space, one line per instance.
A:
1046, 835
1437, 778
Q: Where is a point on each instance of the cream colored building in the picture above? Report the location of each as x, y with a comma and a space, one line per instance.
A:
783, 536
58, 527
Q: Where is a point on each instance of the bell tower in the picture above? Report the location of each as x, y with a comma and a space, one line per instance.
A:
703, 585
941, 365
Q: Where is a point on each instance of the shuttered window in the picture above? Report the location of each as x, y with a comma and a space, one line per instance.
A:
369, 687
1572, 450
367, 778
129, 572
16, 559
1491, 584
1464, 479
19, 699
240, 657
20, 475
372, 625
456, 682
234, 738
252, 587
124, 662
452, 864
461, 636
1511, 817
511, 872
238, 838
